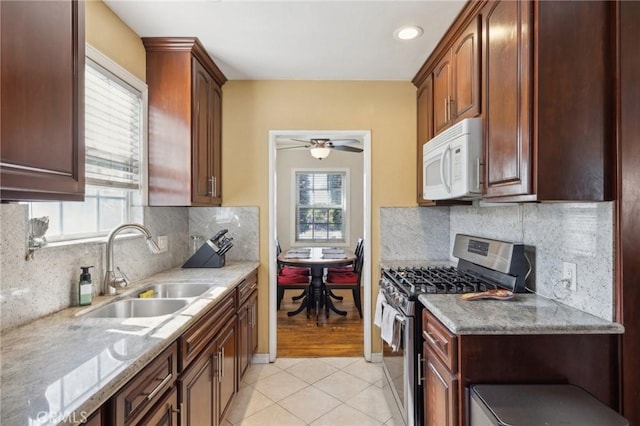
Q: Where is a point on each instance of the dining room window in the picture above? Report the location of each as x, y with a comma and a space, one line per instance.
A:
321, 206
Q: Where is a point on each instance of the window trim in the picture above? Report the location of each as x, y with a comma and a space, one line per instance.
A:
346, 211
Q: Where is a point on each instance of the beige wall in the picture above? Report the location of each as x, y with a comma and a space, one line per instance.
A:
252, 108
107, 33
289, 159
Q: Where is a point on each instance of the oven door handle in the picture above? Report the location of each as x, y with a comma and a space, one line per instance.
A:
401, 319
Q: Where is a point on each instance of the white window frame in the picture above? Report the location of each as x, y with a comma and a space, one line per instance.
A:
345, 203
135, 198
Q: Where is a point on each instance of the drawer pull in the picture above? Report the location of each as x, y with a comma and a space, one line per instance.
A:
432, 339
158, 388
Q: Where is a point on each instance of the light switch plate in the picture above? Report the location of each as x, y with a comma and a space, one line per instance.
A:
163, 243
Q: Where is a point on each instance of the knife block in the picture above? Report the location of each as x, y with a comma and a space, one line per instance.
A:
205, 257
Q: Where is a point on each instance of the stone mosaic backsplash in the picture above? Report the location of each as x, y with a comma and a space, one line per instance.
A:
48, 283
241, 222
581, 233
414, 233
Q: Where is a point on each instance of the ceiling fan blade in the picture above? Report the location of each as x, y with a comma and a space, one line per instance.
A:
294, 147
347, 148
338, 142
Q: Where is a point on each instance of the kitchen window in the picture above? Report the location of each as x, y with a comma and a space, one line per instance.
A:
115, 135
320, 206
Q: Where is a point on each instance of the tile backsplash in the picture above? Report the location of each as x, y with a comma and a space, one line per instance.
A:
414, 233
241, 222
581, 233
48, 283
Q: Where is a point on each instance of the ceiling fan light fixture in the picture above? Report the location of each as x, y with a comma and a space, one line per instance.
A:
408, 33
320, 152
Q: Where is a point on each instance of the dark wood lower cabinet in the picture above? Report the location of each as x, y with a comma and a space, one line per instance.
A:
440, 389
227, 383
453, 362
165, 413
197, 390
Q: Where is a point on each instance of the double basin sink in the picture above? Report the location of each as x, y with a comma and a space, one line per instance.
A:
166, 299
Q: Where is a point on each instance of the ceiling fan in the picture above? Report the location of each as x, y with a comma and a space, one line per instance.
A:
321, 147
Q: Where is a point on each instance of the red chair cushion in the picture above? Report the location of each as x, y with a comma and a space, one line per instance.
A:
293, 279
343, 277
294, 270
340, 269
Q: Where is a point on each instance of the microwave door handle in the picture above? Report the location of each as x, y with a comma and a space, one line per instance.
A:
444, 181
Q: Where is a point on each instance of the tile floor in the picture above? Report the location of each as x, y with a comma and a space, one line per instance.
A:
312, 391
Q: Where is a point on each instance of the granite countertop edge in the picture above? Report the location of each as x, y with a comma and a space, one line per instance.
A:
524, 314
21, 345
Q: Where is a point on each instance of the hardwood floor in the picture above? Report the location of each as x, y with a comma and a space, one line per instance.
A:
335, 336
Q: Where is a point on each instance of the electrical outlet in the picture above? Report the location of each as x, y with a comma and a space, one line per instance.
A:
569, 273
163, 243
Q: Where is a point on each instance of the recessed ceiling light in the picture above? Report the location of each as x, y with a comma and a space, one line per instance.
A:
408, 33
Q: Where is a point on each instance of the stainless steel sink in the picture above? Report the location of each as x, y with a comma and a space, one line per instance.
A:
138, 308
177, 290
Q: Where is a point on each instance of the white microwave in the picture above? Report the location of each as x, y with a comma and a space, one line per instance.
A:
451, 162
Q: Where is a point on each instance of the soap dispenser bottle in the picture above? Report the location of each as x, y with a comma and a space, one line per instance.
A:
85, 291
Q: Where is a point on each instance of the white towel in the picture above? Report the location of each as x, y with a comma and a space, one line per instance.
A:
388, 324
377, 318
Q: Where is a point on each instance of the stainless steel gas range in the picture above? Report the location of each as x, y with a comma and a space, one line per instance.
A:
483, 264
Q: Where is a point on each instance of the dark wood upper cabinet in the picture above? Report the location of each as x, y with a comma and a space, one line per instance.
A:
42, 130
465, 82
456, 79
185, 123
548, 100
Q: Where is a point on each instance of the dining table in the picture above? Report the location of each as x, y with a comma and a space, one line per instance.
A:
316, 259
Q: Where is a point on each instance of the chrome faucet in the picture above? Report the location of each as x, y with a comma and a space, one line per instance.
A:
111, 282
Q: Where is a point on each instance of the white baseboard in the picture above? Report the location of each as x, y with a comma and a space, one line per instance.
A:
376, 357
260, 359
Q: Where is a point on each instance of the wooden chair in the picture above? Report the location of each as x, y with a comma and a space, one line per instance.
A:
346, 281
290, 278
349, 268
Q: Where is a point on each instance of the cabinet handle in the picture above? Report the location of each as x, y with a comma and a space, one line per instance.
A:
446, 109
214, 189
431, 339
219, 368
180, 413
420, 361
449, 108
158, 388
222, 368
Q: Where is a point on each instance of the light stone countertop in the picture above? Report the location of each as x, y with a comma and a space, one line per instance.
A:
522, 314
62, 367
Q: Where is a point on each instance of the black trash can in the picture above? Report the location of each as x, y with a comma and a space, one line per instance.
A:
537, 405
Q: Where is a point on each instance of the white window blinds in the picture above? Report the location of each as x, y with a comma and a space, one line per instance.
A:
320, 206
113, 126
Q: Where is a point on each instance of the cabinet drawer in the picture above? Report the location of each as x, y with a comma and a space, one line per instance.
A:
194, 340
136, 398
440, 340
247, 286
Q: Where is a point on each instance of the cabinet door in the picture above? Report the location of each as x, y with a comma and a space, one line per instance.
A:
216, 144
465, 57
440, 392
425, 130
42, 130
244, 335
202, 155
197, 390
165, 413
507, 88
226, 344
253, 325
441, 94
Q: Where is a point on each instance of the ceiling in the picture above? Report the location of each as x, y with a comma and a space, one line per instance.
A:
299, 40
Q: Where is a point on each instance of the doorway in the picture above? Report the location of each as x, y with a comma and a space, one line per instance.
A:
360, 206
